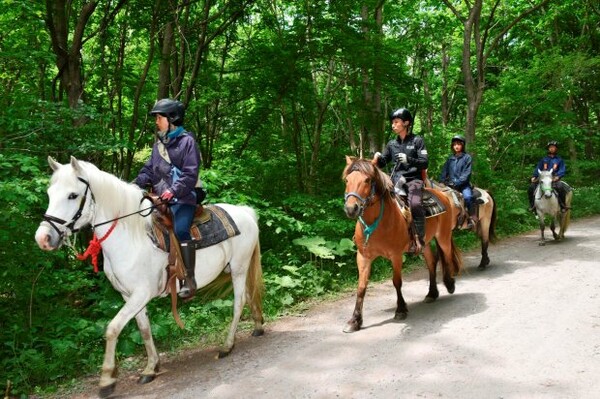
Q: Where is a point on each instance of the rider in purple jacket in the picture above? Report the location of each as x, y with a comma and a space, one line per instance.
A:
172, 172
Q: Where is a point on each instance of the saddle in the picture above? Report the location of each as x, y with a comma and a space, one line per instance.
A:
211, 225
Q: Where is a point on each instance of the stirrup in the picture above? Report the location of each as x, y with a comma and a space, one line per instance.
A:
415, 247
187, 292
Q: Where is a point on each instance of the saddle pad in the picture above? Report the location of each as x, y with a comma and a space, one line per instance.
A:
432, 204
218, 228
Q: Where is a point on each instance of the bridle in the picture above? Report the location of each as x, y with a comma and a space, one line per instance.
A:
55, 222
364, 202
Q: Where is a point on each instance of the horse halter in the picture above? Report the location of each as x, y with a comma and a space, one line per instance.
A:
56, 222
364, 202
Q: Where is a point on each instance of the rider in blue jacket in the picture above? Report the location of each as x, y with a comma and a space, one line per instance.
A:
556, 164
172, 172
456, 174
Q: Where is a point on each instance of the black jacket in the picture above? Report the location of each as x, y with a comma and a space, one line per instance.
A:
416, 153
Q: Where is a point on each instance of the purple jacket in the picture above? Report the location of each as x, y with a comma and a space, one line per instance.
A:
180, 176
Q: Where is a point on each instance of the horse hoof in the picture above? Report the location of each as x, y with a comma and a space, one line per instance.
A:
481, 267
399, 316
351, 327
429, 299
258, 332
144, 379
223, 353
108, 390
450, 286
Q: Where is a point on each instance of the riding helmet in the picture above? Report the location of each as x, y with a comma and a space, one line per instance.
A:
173, 110
460, 138
553, 142
403, 114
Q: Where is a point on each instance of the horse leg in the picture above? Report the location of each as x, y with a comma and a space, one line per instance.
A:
401, 308
364, 271
553, 227
153, 364
133, 305
430, 260
484, 235
542, 228
239, 296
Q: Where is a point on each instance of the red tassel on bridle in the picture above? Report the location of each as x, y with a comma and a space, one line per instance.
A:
95, 247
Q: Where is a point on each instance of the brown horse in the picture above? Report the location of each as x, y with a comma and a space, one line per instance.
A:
486, 213
382, 230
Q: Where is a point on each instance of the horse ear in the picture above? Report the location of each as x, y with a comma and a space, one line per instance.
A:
53, 164
539, 171
75, 164
349, 159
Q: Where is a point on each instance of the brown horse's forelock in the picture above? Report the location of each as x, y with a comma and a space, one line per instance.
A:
383, 184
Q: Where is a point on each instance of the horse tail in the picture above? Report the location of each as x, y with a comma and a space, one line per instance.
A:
492, 231
457, 260
255, 285
456, 265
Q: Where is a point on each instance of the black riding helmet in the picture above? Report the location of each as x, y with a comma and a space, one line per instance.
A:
460, 139
403, 114
173, 110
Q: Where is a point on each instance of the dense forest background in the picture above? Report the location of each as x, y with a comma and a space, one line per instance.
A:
277, 93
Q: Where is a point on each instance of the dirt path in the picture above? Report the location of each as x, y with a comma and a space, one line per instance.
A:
527, 327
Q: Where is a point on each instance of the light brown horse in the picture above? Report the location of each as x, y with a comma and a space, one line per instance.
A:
486, 214
382, 230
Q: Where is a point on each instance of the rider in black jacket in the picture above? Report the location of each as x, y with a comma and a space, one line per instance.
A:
409, 153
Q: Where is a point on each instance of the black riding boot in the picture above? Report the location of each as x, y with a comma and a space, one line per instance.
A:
562, 200
419, 243
188, 254
472, 223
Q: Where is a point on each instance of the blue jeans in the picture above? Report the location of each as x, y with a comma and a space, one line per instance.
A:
183, 216
467, 195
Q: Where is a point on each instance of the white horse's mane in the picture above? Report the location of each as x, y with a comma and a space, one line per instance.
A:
117, 198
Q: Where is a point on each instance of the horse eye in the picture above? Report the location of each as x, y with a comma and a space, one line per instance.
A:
72, 196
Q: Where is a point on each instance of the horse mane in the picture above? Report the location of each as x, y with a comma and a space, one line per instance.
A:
117, 198
383, 183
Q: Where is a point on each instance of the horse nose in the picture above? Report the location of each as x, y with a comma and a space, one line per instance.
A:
351, 210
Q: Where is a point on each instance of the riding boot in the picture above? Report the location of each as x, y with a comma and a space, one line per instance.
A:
562, 201
188, 254
472, 223
419, 240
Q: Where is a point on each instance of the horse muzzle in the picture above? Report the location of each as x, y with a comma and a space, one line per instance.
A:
353, 211
47, 238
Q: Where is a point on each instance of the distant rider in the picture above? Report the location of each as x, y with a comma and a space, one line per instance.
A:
556, 164
456, 174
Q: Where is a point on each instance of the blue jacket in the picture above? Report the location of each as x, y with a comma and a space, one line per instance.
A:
416, 153
553, 163
180, 176
457, 171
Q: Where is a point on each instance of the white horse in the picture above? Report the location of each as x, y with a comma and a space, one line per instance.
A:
546, 203
80, 195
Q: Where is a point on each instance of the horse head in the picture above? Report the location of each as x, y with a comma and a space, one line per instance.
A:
364, 182
545, 179
70, 204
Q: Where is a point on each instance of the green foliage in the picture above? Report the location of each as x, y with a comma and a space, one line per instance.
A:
284, 90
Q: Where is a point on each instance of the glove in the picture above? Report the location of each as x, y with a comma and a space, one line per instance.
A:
167, 196
402, 158
376, 155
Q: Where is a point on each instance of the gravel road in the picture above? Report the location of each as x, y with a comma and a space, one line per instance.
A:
527, 327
